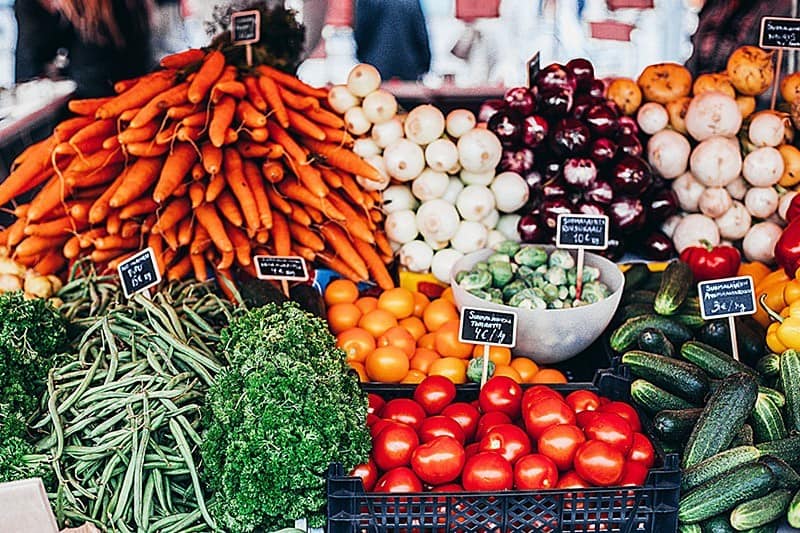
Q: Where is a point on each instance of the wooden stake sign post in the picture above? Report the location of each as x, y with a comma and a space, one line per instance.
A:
283, 268
581, 232
490, 328
779, 33
139, 272
727, 298
246, 30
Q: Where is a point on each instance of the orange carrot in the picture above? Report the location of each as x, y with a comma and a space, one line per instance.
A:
67, 128
197, 193
156, 242
48, 198
199, 267
31, 173
56, 227
189, 134
138, 95
51, 263
92, 178
325, 118
262, 236
314, 213
182, 59
34, 245
110, 242
166, 136
232, 88
114, 263
241, 245
83, 148
130, 228
343, 158
306, 237
181, 189
306, 253
281, 238
334, 263
86, 106
138, 179
254, 93
123, 85
180, 270
147, 149
142, 206
102, 207
290, 82
175, 211
128, 114
111, 142
195, 120
104, 256
272, 171
297, 192
303, 126
229, 208
207, 216
281, 137
16, 232
298, 102
209, 73
160, 103
336, 135
176, 166
375, 264
72, 248
331, 177
185, 231
87, 238
198, 172
376, 215
383, 243
215, 186
253, 150
231, 136
234, 175
113, 224
168, 257
259, 135
180, 112
79, 210
354, 224
300, 216
341, 244
97, 160
256, 183
212, 158
170, 235
221, 120
201, 241
277, 201
273, 97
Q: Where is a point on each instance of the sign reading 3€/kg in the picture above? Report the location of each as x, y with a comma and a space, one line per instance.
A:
726, 297
582, 231
139, 272
281, 267
487, 326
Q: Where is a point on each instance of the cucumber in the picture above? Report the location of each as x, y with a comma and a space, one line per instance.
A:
786, 476
772, 527
674, 288
634, 310
654, 341
787, 449
674, 425
744, 437
716, 465
635, 276
718, 524
725, 412
624, 337
789, 380
654, 399
653, 282
725, 492
690, 320
640, 297
715, 362
689, 528
690, 306
766, 420
761, 511
776, 396
793, 514
673, 375
769, 366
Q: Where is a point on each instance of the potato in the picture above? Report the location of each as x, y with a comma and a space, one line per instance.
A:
750, 70
790, 87
747, 104
664, 82
626, 94
676, 110
713, 82
791, 165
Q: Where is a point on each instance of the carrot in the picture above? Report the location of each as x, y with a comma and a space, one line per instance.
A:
273, 97
180, 270
175, 211
256, 183
36, 151
354, 224
56, 227
189, 134
221, 120
138, 95
31, 173
281, 137
298, 193
198, 172
290, 82
375, 264
331, 177
207, 216
215, 186
91, 178
253, 150
277, 201
241, 245
105, 256
259, 135
341, 244
209, 73
167, 258
156, 242
86, 106
376, 215
182, 59
142, 206
147, 149
180, 112
211, 157
298, 102
168, 134
130, 228
300, 216
110, 242
87, 238
128, 114
67, 128
195, 120
227, 285
170, 236
176, 166
138, 179
324, 117
72, 248
113, 223
181, 189
343, 158
272, 171
254, 93
34, 244
231, 87
309, 176
48, 198
336, 135
306, 253
306, 237
123, 85
97, 160
21, 211
383, 243
262, 236
303, 126
82, 148
174, 96
231, 136
227, 205
114, 263
199, 267
281, 237
185, 231
16, 232
110, 142
201, 241
79, 210
51, 263
235, 177
314, 213
334, 263
141, 134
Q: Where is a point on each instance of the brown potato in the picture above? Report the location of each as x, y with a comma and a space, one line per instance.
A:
664, 82
790, 87
791, 165
747, 104
750, 70
713, 82
626, 94
676, 110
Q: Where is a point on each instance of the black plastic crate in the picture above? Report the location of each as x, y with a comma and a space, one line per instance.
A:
650, 508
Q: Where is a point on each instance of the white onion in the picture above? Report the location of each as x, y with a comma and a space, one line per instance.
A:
491, 220
441, 155
668, 226
714, 202
737, 188
510, 191
716, 161
373, 185
759, 243
695, 228
763, 167
424, 124
475, 202
455, 169
652, 118
668, 151
437, 220
437, 245
404, 160
454, 188
761, 202
495, 238
379, 106
713, 113
341, 99
785, 202
459, 122
356, 121
735, 222
388, 132
366, 147
688, 191
363, 79
416, 256
397, 198
766, 129
401, 226
477, 178
479, 150
430, 185
507, 225
442, 263
470, 237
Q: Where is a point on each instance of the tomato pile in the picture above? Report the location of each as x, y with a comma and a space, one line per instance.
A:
506, 439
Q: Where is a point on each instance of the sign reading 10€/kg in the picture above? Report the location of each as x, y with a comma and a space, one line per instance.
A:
582, 231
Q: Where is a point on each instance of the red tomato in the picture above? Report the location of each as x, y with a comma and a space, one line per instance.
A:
379, 425
583, 418
434, 393
501, 394
371, 419
535, 471
599, 463
472, 449
537, 392
404, 410
368, 472
642, 450
559, 443
544, 413
489, 420
440, 426
376, 404
466, 415
400, 479
624, 410
508, 440
633, 473
438, 461
583, 400
487, 471
571, 480
448, 487
612, 429
392, 447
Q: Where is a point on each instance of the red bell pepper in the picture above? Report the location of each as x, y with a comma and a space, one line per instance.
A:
793, 210
712, 262
787, 249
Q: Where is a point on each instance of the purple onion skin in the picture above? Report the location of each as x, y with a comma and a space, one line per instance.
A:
602, 151
534, 130
658, 246
629, 145
554, 189
581, 104
583, 72
555, 102
615, 248
520, 99
551, 169
519, 161
570, 137
627, 125
551, 208
627, 214
600, 193
531, 229
597, 89
555, 76
631, 176
534, 179
602, 120
589, 208
661, 205
579, 172
507, 125
489, 108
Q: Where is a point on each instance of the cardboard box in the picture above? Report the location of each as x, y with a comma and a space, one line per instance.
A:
24, 508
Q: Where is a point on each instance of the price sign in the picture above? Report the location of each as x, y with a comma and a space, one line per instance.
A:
489, 327
246, 27
727, 297
582, 231
139, 272
281, 267
780, 32
534, 66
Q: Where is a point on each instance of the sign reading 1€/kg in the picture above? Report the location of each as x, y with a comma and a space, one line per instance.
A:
728, 297
246, 27
139, 272
281, 267
582, 231
487, 326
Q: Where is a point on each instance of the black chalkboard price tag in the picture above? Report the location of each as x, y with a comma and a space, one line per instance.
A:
139, 272
246, 27
582, 231
489, 327
780, 33
534, 66
281, 267
721, 298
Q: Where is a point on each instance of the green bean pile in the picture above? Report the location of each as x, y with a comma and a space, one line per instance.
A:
122, 417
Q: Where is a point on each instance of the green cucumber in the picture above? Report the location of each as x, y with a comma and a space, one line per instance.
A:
674, 425
673, 375
718, 524
760, 511
776, 396
675, 284
716, 465
624, 337
766, 420
725, 412
769, 366
654, 341
635, 310
639, 297
654, 399
787, 449
786, 476
725, 492
790, 384
635, 276
653, 282
793, 515
689, 528
715, 362
690, 320
744, 437
690, 306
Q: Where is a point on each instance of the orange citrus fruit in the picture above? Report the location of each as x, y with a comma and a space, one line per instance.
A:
377, 321
447, 343
398, 301
413, 376
549, 375
356, 343
420, 303
359, 368
525, 367
343, 316
506, 370
341, 291
499, 355
423, 359
437, 313
387, 365
367, 303
415, 326
447, 294
399, 338
427, 341
450, 367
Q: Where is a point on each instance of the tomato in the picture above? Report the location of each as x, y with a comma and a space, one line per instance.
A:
488, 421
544, 413
633, 473
559, 443
466, 415
487, 471
571, 480
440, 426
583, 400
624, 410
368, 472
599, 463
508, 440
400, 479
393, 446
472, 449
448, 487
584, 417
378, 425
376, 404
371, 419
535, 471
435, 393
537, 392
612, 429
404, 410
642, 450
438, 461
501, 394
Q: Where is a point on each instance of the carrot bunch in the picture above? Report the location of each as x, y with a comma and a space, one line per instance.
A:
207, 164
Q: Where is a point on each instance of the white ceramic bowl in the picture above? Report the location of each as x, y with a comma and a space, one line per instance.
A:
551, 335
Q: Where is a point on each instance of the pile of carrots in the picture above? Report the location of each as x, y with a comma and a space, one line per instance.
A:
206, 163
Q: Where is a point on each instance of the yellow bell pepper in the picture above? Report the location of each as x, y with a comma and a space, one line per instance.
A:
756, 270
784, 333
773, 343
788, 332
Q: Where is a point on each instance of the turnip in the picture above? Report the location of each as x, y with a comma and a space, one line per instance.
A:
398, 198
430, 185
341, 99
404, 160
692, 230
713, 113
388, 132
510, 191
477, 178
356, 121
766, 129
479, 150
688, 191
437, 220
454, 188
652, 118
507, 225
378, 162
442, 263
785, 202
669, 225
363, 79
475, 202
459, 122
495, 238
366, 147
441, 155
424, 124
761, 202
401, 226
763, 167
714, 202
759, 243
437, 245
416, 256
716, 162
668, 153
735, 222
491, 220
379, 106
737, 188
470, 237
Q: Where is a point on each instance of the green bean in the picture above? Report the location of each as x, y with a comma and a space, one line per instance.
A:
183, 447
122, 526
66, 371
158, 482
181, 526
107, 424
124, 491
51, 407
167, 521
80, 426
197, 320
137, 474
104, 480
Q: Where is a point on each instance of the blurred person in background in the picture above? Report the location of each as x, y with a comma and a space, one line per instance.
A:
94, 42
392, 36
